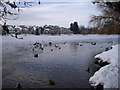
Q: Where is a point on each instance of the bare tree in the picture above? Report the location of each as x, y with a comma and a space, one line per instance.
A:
109, 20
10, 9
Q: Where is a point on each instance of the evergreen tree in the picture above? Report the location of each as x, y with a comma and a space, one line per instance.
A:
71, 26
37, 32
7, 13
42, 30
74, 27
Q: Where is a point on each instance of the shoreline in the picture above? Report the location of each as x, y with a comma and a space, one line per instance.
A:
26, 45
107, 75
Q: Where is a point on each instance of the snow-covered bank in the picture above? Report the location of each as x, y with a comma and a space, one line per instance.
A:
107, 75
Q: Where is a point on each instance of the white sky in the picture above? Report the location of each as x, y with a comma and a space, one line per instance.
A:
51, 12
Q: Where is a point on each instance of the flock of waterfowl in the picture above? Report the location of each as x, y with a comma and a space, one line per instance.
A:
41, 47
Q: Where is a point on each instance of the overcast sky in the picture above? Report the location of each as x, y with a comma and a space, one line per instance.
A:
57, 12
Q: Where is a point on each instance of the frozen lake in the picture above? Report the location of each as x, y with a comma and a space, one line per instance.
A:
63, 62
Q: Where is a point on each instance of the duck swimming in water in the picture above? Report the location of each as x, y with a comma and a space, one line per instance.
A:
18, 86
88, 69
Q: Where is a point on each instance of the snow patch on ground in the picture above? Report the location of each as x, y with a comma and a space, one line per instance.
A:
107, 75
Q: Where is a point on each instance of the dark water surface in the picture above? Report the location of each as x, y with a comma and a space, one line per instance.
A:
66, 65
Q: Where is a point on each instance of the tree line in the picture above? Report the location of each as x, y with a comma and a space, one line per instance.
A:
108, 22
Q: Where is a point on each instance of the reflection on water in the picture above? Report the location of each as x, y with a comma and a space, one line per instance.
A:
66, 65
74, 46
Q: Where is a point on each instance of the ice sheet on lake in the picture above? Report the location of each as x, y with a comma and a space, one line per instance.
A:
107, 75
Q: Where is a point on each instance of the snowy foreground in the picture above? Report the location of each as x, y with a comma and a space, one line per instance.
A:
107, 75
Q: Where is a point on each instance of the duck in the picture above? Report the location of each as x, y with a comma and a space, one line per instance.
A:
35, 55
81, 45
93, 43
51, 82
50, 43
59, 47
64, 42
18, 86
33, 49
56, 46
51, 49
88, 69
41, 48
